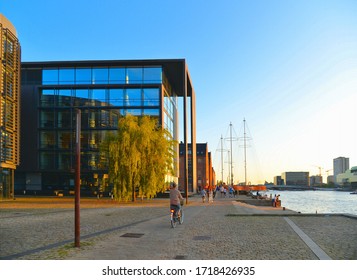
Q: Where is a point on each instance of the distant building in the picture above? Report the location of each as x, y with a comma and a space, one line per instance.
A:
300, 178
348, 178
278, 181
340, 165
204, 170
315, 180
10, 52
330, 179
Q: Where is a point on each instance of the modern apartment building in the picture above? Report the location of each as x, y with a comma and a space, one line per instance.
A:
103, 91
10, 52
299, 178
340, 165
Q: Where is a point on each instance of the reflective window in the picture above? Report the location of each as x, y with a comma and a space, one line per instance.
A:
47, 119
83, 76
64, 97
47, 98
64, 119
64, 139
117, 76
64, 161
65, 92
151, 96
47, 160
134, 75
47, 139
81, 97
66, 76
133, 97
100, 76
134, 112
99, 96
50, 77
151, 112
116, 97
152, 75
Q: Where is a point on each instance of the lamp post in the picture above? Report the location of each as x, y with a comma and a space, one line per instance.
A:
77, 179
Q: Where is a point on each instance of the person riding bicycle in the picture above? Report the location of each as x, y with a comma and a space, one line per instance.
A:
175, 198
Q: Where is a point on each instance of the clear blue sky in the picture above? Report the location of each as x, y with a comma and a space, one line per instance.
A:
288, 67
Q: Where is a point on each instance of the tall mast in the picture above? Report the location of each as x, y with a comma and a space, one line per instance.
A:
231, 153
222, 156
245, 155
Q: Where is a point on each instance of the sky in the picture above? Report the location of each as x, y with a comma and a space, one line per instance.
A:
289, 68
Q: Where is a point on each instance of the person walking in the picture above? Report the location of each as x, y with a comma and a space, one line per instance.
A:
203, 195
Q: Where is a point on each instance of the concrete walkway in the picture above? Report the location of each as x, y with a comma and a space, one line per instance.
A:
224, 229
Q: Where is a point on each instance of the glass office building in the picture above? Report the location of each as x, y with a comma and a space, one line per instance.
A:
103, 91
10, 52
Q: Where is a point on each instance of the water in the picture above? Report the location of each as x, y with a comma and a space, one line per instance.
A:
318, 201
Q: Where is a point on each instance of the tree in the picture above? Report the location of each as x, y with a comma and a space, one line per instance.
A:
139, 155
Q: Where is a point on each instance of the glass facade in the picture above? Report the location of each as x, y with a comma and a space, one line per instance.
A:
103, 94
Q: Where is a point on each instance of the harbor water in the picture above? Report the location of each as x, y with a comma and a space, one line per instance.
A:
318, 201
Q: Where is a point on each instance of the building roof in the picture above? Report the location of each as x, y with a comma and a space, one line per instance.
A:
175, 69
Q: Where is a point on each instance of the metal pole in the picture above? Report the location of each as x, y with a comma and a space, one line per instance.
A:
231, 154
77, 179
245, 156
222, 156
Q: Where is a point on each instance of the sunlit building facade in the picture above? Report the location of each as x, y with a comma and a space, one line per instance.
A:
206, 176
10, 52
104, 91
295, 178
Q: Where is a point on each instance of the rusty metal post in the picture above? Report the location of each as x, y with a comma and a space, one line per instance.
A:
77, 180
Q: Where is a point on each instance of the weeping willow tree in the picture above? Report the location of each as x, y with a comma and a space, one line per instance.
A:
139, 155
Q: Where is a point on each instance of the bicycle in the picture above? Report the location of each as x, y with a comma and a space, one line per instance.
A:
176, 215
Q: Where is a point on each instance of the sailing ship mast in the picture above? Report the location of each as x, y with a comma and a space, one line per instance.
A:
230, 125
245, 154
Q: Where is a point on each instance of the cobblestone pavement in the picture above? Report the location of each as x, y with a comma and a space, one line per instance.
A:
224, 229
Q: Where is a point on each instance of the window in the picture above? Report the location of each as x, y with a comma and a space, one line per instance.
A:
100, 76
152, 112
81, 97
151, 96
116, 97
47, 119
64, 97
133, 97
47, 139
66, 76
134, 75
47, 160
98, 95
50, 77
152, 75
134, 112
117, 76
83, 76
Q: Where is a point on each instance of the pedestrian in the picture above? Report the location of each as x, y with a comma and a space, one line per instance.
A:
273, 200
277, 201
230, 191
222, 191
211, 196
203, 195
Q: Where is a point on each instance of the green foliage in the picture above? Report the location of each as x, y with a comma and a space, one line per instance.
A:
140, 155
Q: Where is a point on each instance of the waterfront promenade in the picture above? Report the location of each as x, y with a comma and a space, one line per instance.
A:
43, 228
